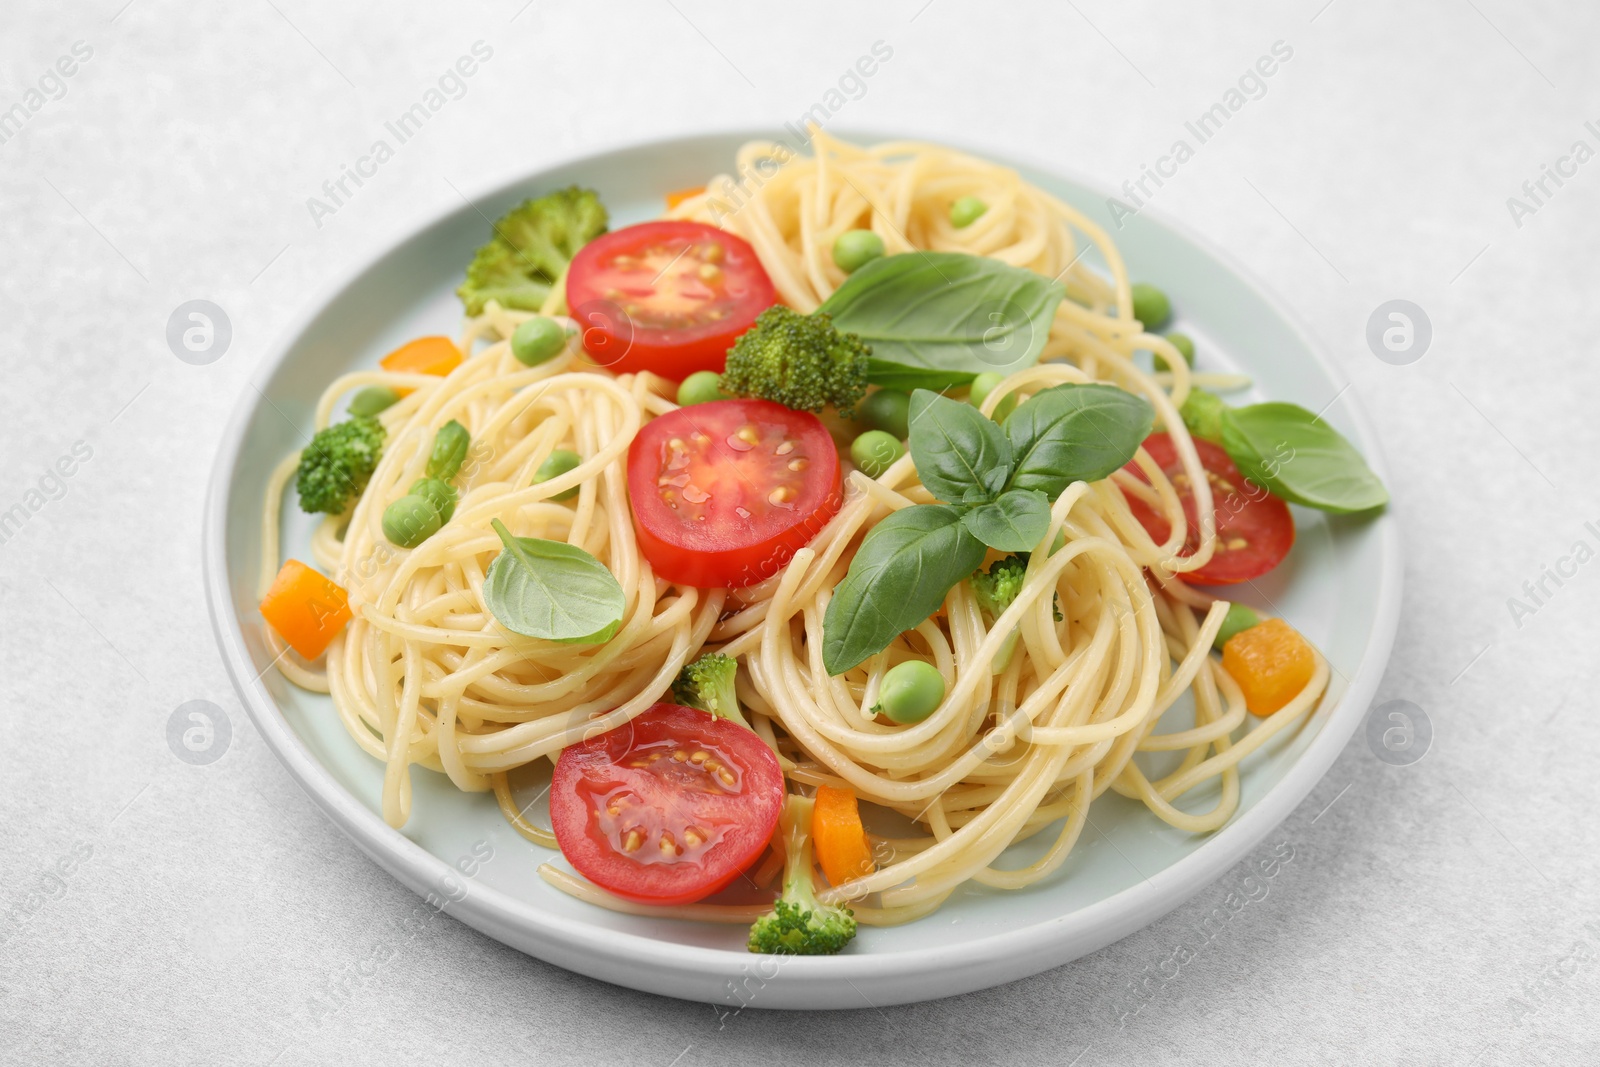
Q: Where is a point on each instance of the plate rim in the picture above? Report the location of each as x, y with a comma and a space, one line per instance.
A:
658, 966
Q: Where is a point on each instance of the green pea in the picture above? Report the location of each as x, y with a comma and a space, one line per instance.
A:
373, 399
888, 410
911, 691
1185, 346
410, 521
537, 340
1151, 306
982, 386
966, 211
441, 494
559, 462
875, 452
700, 387
449, 450
1238, 618
854, 249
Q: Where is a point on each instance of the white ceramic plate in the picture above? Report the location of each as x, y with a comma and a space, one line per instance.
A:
1340, 586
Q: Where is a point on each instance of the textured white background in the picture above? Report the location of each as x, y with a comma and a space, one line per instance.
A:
1444, 912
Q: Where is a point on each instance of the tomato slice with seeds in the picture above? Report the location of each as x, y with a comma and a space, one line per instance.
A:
725, 492
667, 809
1254, 528
667, 297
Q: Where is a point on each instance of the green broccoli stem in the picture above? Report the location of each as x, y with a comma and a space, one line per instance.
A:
800, 924
728, 702
799, 884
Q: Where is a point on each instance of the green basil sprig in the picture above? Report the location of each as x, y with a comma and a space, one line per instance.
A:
1014, 522
1288, 451
959, 451
939, 319
553, 591
997, 483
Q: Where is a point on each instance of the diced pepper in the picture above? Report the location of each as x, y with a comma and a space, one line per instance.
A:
678, 196
306, 608
837, 836
1271, 662
425, 355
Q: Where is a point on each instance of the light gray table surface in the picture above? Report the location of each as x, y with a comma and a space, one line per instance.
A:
153, 911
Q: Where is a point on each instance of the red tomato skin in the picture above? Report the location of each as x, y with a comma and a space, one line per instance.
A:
1252, 512
598, 760
735, 553
626, 345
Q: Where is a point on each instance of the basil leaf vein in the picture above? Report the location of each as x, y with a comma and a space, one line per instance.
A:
1298, 457
938, 319
957, 448
553, 591
1016, 522
899, 576
1071, 433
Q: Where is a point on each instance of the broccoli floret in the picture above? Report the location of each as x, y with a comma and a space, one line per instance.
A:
335, 466
994, 590
799, 924
533, 243
800, 361
707, 684
999, 586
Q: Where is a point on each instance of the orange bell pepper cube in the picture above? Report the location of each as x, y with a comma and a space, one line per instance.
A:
425, 355
1271, 662
678, 196
838, 837
306, 608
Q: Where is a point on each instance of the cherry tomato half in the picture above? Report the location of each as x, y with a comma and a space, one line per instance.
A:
725, 492
667, 297
667, 809
1254, 528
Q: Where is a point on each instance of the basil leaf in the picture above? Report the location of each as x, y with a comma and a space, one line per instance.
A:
938, 319
957, 448
1071, 433
553, 591
900, 575
1290, 451
1016, 522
